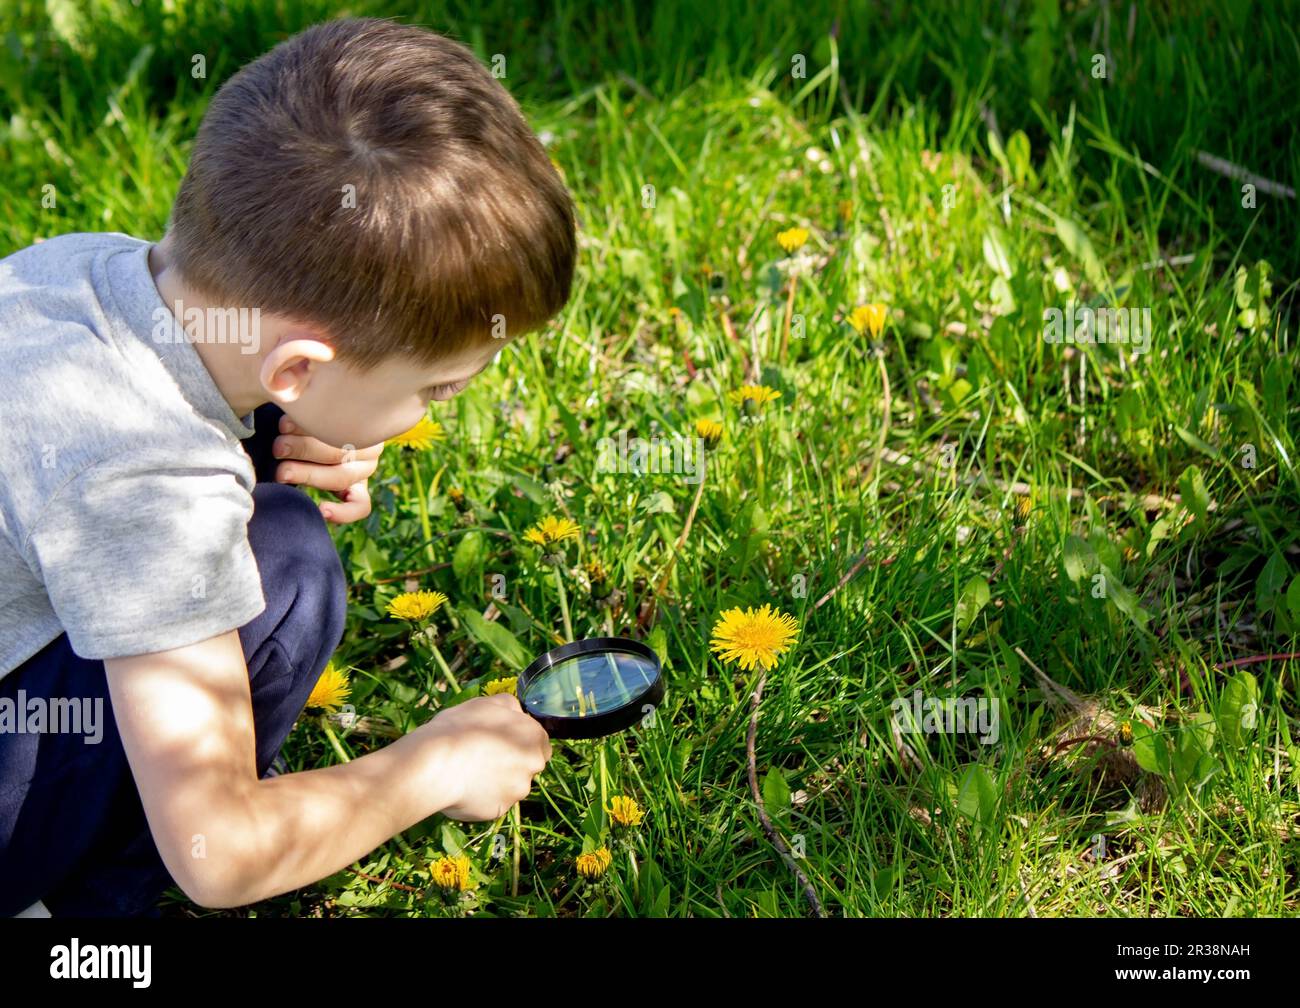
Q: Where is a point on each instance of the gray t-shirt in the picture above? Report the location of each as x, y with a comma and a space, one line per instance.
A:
124, 491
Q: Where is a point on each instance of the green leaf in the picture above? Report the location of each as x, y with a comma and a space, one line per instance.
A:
1191, 484
497, 638
69, 25
1019, 155
1125, 601
1238, 709
776, 793
530, 488
999, 155
453, 840
1275, 574
995, 253
1191, 762
1293, 598
1079, 245
467, 560
1078, 557
1150, 749
974, 597
571, 426
977, 797
658, 502
1252, 289
369, 560
658, 641
1192, 441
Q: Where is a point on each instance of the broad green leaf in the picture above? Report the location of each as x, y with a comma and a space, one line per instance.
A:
1272, 578
1192, 441
974, 597
1238, 709
497, 638
1078, 557
571, 426
1125, 601
1078, 244
1150, 749
467, 560
995, 253
977, 797
1293, 597
1191, 484
776, 793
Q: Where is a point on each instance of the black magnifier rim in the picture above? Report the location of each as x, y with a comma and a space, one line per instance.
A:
595, 725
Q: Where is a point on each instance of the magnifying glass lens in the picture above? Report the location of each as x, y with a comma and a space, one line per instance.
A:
586, 685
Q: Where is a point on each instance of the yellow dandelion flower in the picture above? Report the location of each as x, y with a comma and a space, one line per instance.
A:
451, 873
869, 318
1024, 505
595, 864
415, 606
753, 637
624, 811
759, 395
507, 685
792, 239
420, 437
551, 530
331, 689
596, 571
710, 431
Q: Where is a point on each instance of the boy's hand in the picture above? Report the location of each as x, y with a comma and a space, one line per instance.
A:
489, 754
305, 461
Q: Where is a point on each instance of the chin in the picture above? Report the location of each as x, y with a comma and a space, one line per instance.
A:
341, 439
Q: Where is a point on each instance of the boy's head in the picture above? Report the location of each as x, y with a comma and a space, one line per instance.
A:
372, 185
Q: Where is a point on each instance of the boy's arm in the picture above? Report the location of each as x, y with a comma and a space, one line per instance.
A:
226, 837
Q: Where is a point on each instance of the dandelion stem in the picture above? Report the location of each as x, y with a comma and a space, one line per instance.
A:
437, 655
516, 831
604, 778
789, 314
564, 605
335, 744
422, 501
756, 698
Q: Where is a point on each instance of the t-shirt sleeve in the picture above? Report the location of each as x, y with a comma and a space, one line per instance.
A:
138, 557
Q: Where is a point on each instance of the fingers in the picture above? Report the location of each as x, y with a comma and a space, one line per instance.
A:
335, 478
354, 506
310, 449
509, 699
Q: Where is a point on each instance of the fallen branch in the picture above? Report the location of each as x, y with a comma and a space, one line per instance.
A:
1256, 659
763, 817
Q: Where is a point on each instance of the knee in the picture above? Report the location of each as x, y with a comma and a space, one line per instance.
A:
297, 560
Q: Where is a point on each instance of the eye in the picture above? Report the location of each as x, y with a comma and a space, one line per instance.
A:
445, 391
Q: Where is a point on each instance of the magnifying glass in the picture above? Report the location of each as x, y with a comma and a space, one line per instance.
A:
591, 688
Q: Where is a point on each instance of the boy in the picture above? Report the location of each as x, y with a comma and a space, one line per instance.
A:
369, 207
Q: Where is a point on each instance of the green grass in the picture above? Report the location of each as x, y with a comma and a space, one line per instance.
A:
911, 450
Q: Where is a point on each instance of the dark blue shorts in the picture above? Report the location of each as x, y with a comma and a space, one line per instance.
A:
72, 830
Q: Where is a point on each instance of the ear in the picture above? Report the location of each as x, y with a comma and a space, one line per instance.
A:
287, 370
